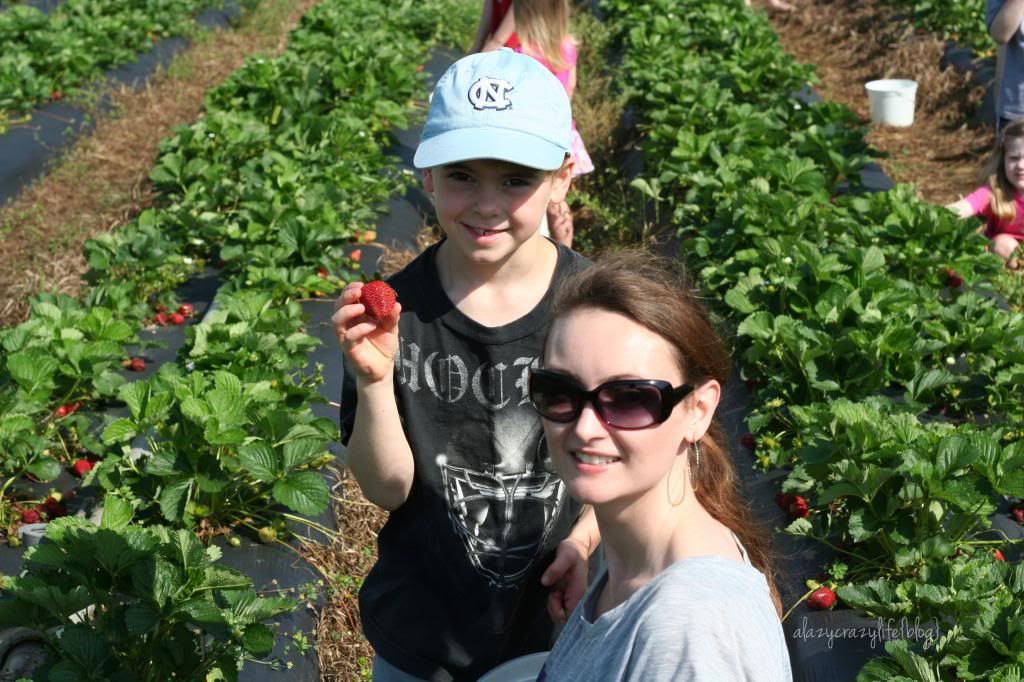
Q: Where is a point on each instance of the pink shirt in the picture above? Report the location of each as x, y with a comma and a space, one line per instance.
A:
569, 56
980, 201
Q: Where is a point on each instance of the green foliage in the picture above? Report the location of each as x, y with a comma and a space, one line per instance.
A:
121, 602
221, 449
48, 53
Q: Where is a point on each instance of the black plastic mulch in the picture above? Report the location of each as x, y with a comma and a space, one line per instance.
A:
28, 150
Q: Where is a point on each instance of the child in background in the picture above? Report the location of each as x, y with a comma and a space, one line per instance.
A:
543, 30
434, 405
497, 27
631, 379
1001, 201
1003, 18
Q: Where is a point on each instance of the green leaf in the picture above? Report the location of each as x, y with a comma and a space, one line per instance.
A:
260, 460
119, 430
299, 452
305, 492
117, 513
173, 499
258, 640
44, 468
84, 647
141, 619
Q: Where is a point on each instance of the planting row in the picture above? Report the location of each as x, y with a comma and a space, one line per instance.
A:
271, 188
885, 367
959, 20
46, 55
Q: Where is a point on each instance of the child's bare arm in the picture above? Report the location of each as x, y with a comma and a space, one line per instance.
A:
570, 87
962, 208
504, 31
378, 453
1007, 21
482, 28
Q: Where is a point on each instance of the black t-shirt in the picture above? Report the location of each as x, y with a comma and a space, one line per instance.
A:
456, 587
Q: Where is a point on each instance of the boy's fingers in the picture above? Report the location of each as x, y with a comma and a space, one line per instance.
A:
349, 295
390, 323
346, 313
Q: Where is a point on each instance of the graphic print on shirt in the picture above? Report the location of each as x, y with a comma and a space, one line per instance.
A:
498, 482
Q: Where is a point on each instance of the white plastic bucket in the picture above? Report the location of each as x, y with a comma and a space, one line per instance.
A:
892, 101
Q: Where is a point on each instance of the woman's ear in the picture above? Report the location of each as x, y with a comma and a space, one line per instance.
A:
561, 179
701, 406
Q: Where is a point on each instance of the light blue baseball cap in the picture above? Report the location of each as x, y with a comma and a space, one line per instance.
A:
497, 105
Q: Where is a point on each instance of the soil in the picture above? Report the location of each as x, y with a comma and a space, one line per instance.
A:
103, 181
854, 41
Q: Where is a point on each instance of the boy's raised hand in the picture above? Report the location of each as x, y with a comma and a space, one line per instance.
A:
370, 346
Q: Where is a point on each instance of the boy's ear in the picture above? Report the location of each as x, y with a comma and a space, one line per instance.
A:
428, 180
561, 179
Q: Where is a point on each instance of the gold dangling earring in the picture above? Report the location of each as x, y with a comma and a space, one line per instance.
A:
696, 468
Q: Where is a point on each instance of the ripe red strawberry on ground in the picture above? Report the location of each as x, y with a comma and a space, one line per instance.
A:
177, 318
30, 516
321, 272
378, 298
187, 309
748, 441
822, 599
953, 279
160, 319
998, 555
1017, 512
54, 508
798, 508
136, 364
81, 467
61, 412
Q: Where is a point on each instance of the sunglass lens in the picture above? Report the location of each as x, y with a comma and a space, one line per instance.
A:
555, 400
630, 407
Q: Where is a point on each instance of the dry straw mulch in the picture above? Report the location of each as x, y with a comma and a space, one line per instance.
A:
102, 182
854, 41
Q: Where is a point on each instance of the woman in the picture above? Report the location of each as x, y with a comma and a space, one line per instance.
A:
632, 376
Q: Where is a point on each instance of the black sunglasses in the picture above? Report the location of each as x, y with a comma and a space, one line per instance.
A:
623, 404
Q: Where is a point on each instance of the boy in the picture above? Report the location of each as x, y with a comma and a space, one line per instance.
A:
435, 407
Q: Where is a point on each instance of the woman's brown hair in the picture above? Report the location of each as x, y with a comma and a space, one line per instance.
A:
1003, 204
656, 293
542, 25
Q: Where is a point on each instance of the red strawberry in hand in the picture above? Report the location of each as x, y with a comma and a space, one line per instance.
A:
822, 599
378, 298
30, 516
81, 467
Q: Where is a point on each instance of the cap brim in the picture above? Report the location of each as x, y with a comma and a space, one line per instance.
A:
467, 144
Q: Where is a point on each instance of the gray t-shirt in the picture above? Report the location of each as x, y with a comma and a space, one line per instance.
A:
703, 618
1011, 93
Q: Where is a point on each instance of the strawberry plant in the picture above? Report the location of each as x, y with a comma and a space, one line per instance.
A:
122, 602
220, 449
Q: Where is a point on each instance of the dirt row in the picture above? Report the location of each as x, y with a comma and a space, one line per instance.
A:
854, 41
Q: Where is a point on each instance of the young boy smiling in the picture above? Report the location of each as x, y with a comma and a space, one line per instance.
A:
435, 409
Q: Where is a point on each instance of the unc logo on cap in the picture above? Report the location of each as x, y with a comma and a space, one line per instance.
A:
490, 93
